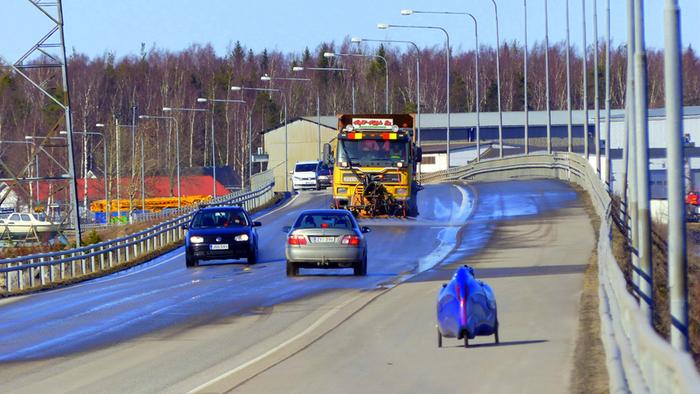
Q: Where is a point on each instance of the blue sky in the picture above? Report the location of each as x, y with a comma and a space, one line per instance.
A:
98, 26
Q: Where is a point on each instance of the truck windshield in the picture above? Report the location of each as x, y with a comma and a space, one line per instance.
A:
367, 152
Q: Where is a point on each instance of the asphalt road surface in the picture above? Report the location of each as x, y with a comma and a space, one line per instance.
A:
162, 328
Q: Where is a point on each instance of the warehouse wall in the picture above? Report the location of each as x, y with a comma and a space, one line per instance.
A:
302, 146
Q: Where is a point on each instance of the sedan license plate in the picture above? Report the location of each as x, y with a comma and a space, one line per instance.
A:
218, 247
324, 239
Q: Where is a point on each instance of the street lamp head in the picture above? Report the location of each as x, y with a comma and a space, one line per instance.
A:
28, 137
101, 124
265, 78
167, 109
382, 26
328, 54
356, 40
143, 117
297, 68
62, 132
235, 88
201, 100
406, 12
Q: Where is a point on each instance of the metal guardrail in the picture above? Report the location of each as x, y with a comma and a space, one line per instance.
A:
41, 270
638, 359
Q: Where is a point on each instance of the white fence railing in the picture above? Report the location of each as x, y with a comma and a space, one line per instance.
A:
638, 359
41, 270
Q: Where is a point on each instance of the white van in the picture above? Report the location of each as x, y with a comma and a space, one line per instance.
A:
304, 175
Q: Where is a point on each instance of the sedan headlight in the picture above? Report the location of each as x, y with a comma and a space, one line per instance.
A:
241, 237
196, 239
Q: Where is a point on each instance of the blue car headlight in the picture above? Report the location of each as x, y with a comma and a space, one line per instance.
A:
241, 237
196, 239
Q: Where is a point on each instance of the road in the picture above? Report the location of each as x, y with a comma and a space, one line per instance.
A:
160, 327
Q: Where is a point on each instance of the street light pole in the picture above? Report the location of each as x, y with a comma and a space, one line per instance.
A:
172, 119
447, 50
642, 162
570, 141
677, 259
286, 130
476, 66
585, 82
608, 160
318, 94
213, 140
546, 66
386, 72
498, 82
525, 106
359, 40
104, 154
596, 87
170, 109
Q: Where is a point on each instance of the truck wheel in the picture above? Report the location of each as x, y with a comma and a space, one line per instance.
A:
439, 337
292, 269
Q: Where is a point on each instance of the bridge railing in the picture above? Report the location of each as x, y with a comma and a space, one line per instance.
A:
638, 359
44, 270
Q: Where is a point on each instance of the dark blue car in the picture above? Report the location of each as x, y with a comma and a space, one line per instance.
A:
221, 233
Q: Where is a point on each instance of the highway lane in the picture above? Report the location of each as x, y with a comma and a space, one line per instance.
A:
539, 242
161, 326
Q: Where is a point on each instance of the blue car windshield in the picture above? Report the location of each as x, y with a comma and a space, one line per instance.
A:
219, 219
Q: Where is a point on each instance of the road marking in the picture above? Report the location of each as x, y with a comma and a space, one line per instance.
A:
277, 348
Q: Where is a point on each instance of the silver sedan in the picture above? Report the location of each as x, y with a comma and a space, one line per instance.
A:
326, 238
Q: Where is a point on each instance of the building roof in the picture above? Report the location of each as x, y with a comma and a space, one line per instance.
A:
158, 186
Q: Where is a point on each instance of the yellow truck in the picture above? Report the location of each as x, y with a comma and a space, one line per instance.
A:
375, 158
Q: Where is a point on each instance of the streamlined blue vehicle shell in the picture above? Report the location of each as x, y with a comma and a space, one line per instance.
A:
466, 307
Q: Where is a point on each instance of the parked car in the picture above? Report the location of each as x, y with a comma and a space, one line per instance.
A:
219, 233
324, 176
304, 175
326, 238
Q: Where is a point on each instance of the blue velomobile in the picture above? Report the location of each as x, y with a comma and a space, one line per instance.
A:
466, 307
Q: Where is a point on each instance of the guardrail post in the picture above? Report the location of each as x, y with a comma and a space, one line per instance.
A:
62, 271
20, 277
126, 252
42, 274
102, 258
51, 269
92, 260
31, 273
8, 278
111, 258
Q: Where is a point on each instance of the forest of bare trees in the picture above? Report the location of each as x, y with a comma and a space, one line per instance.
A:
104, 89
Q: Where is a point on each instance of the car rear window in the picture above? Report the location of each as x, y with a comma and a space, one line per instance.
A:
219, 219
305, 168
324, 220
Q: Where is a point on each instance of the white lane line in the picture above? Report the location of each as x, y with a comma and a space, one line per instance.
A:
309, 329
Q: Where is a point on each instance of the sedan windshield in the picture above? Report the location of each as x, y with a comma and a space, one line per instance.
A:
219, 219
325, 220
305, 167
367, 152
